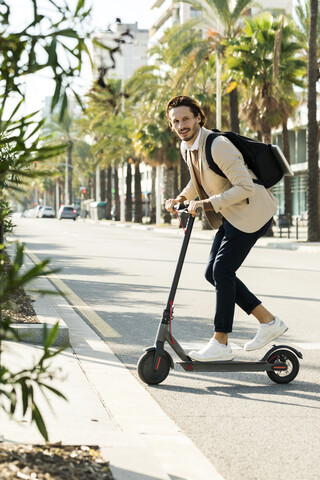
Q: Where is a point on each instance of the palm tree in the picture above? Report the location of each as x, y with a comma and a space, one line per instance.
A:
149, 90
268, 98
110, 131
264, 61
65, 129
313, 142
220, 23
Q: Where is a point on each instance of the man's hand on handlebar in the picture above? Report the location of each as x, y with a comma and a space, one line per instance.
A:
174, 204
194, 206
180, 203
170, 203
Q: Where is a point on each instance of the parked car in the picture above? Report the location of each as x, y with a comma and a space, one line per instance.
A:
30, 212
46, 212
67, 211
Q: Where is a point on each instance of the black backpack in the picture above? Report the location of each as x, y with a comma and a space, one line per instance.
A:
266, 161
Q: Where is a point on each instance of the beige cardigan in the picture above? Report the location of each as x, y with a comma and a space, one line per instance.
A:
246, 205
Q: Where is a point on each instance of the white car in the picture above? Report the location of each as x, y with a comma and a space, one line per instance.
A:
47, 212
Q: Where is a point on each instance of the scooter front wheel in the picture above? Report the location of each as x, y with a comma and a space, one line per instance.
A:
292, 362
145, 368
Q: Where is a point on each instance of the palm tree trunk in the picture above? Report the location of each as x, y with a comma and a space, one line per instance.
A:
109, 193
234, 110
116, 193
137, 193
153, 196
128, 213
70, 146
287, 180
175, 182
312, 147
103, 184
168, 180
266, 136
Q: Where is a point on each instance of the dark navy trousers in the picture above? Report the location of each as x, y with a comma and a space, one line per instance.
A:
229, 249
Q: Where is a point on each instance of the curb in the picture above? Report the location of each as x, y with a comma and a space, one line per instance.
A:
33, 332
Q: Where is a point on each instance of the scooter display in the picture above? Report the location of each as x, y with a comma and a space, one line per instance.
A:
281, 362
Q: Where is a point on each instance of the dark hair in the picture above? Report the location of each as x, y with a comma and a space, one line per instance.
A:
183, 101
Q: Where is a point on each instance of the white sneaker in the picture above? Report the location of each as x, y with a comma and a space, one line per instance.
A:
266, 333
213, 351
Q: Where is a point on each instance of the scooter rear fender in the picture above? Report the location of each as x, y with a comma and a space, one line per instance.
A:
278, 347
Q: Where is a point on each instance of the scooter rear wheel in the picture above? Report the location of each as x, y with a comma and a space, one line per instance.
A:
145, 368
284, 356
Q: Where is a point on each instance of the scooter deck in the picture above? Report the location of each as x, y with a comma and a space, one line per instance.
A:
232, 366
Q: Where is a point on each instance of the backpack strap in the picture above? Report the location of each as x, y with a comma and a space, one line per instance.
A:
212, 164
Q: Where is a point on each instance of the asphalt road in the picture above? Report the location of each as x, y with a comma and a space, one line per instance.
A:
249, 427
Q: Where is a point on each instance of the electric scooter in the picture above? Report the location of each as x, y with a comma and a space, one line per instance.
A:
281, 362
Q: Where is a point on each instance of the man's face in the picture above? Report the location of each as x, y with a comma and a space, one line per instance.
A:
185, 124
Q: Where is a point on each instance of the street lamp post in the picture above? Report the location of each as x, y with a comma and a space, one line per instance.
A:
218, 83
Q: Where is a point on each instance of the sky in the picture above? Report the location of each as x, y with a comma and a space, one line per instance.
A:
104, 14
129, 11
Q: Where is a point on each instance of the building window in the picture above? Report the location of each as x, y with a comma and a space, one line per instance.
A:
302, 146
194, 12
292, 146
299, 194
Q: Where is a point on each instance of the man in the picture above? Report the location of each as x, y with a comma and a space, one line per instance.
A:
240, 209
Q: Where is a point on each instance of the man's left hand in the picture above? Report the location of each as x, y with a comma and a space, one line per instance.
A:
193, 206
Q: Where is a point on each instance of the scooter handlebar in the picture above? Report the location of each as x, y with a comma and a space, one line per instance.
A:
181, 207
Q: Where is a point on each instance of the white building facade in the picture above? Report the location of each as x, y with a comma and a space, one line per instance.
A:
132, 55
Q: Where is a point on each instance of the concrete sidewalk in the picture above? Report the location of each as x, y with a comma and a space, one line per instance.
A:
106, 406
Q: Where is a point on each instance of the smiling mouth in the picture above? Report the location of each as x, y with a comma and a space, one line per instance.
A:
184, 132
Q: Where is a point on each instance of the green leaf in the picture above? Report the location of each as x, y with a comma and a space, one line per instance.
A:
56, 95
79, 100
79, 6
67, 32
25, 396
49, 335
13, 401
64, 106
7, 123
52, 53
37, 417
55, 391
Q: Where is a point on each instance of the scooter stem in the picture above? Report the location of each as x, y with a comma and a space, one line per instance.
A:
179, 266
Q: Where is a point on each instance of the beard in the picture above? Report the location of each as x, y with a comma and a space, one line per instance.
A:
189, 134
